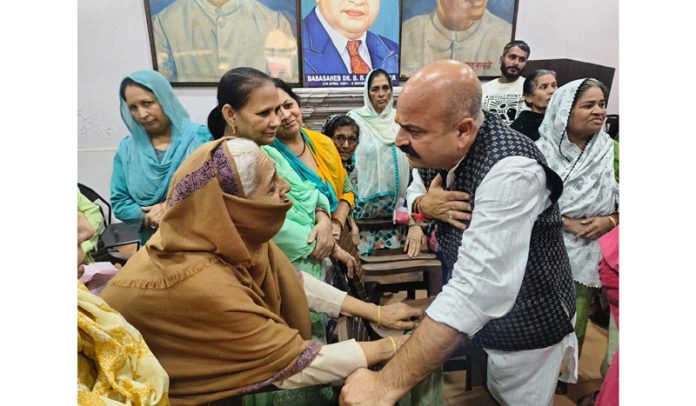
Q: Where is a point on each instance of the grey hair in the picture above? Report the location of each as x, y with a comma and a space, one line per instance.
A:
245, 153
530, 82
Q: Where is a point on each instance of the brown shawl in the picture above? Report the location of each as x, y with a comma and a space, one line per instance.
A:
218, 303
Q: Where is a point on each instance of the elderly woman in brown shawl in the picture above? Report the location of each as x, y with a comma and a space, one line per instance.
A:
219, 304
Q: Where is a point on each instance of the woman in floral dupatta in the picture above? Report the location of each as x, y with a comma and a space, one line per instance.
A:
575, 145
382, 169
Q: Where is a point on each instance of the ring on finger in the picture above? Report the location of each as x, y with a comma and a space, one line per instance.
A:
449, 214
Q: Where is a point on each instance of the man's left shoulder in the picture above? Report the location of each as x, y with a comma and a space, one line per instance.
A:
494, 24
381, 41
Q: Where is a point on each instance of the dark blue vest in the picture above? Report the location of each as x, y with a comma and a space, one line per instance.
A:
537, 318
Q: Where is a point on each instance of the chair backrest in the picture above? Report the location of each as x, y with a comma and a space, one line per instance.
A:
612, 126
93, 196
354, 286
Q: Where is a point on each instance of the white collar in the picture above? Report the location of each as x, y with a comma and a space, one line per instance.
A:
450, 174
339, 41
227, 8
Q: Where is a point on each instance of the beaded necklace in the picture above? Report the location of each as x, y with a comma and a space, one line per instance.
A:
304, 148
587, 144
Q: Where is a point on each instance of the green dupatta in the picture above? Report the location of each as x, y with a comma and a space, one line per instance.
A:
306, 198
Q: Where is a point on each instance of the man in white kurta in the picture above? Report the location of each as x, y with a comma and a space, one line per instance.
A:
200, 40
496, 257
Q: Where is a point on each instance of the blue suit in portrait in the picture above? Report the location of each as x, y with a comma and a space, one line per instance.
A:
320, 56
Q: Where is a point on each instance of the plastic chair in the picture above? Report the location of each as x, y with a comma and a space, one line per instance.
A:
114, 235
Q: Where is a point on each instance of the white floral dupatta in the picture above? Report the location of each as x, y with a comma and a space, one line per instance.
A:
589, 186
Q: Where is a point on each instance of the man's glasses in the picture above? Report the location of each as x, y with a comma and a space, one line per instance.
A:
340, 139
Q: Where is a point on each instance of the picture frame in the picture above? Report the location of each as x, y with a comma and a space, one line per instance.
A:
194, 42
475, 34
327, 31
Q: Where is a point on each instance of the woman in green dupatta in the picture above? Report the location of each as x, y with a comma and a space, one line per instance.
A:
247, 107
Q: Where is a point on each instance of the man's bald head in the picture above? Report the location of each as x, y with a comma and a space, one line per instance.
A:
439, 112
450, 84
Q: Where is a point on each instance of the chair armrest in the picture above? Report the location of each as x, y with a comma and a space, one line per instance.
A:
119, 234
372, 259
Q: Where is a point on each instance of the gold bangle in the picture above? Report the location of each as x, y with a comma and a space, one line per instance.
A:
613, 222
379, 316
393, 344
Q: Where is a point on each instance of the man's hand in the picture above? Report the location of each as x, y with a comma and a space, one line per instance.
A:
363, 388
322, 234
400, 316
344, 257
415, 239
447, 206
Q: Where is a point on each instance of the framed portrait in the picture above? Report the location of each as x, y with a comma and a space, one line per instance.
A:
343, 41
194, 42
474, 32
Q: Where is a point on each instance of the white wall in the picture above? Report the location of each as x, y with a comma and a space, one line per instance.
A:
113, 41
586, 30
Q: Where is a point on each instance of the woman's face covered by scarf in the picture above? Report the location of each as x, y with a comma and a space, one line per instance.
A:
270, 187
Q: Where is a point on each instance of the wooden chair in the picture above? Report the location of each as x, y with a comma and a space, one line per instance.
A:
393, 270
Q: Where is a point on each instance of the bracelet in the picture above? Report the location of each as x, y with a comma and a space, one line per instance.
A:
337, 222
379, 316
320, 210
417, 211
393, 345
613, 222
420, 207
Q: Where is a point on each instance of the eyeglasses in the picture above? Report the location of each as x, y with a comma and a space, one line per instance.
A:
340, 139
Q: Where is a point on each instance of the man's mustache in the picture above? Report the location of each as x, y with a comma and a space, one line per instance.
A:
408, 150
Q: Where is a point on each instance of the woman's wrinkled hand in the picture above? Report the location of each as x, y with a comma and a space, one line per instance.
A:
354, 231
400, 316
415, 239
321, 233
595, 227
153, 215
344, 257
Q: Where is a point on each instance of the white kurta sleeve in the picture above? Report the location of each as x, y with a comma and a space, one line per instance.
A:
322, 297
334, 362
492, 257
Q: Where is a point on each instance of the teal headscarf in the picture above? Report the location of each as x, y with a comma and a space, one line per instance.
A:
305, 172
147, 177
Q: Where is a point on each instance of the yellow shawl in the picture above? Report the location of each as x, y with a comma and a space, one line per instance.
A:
330, 166
114, 365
